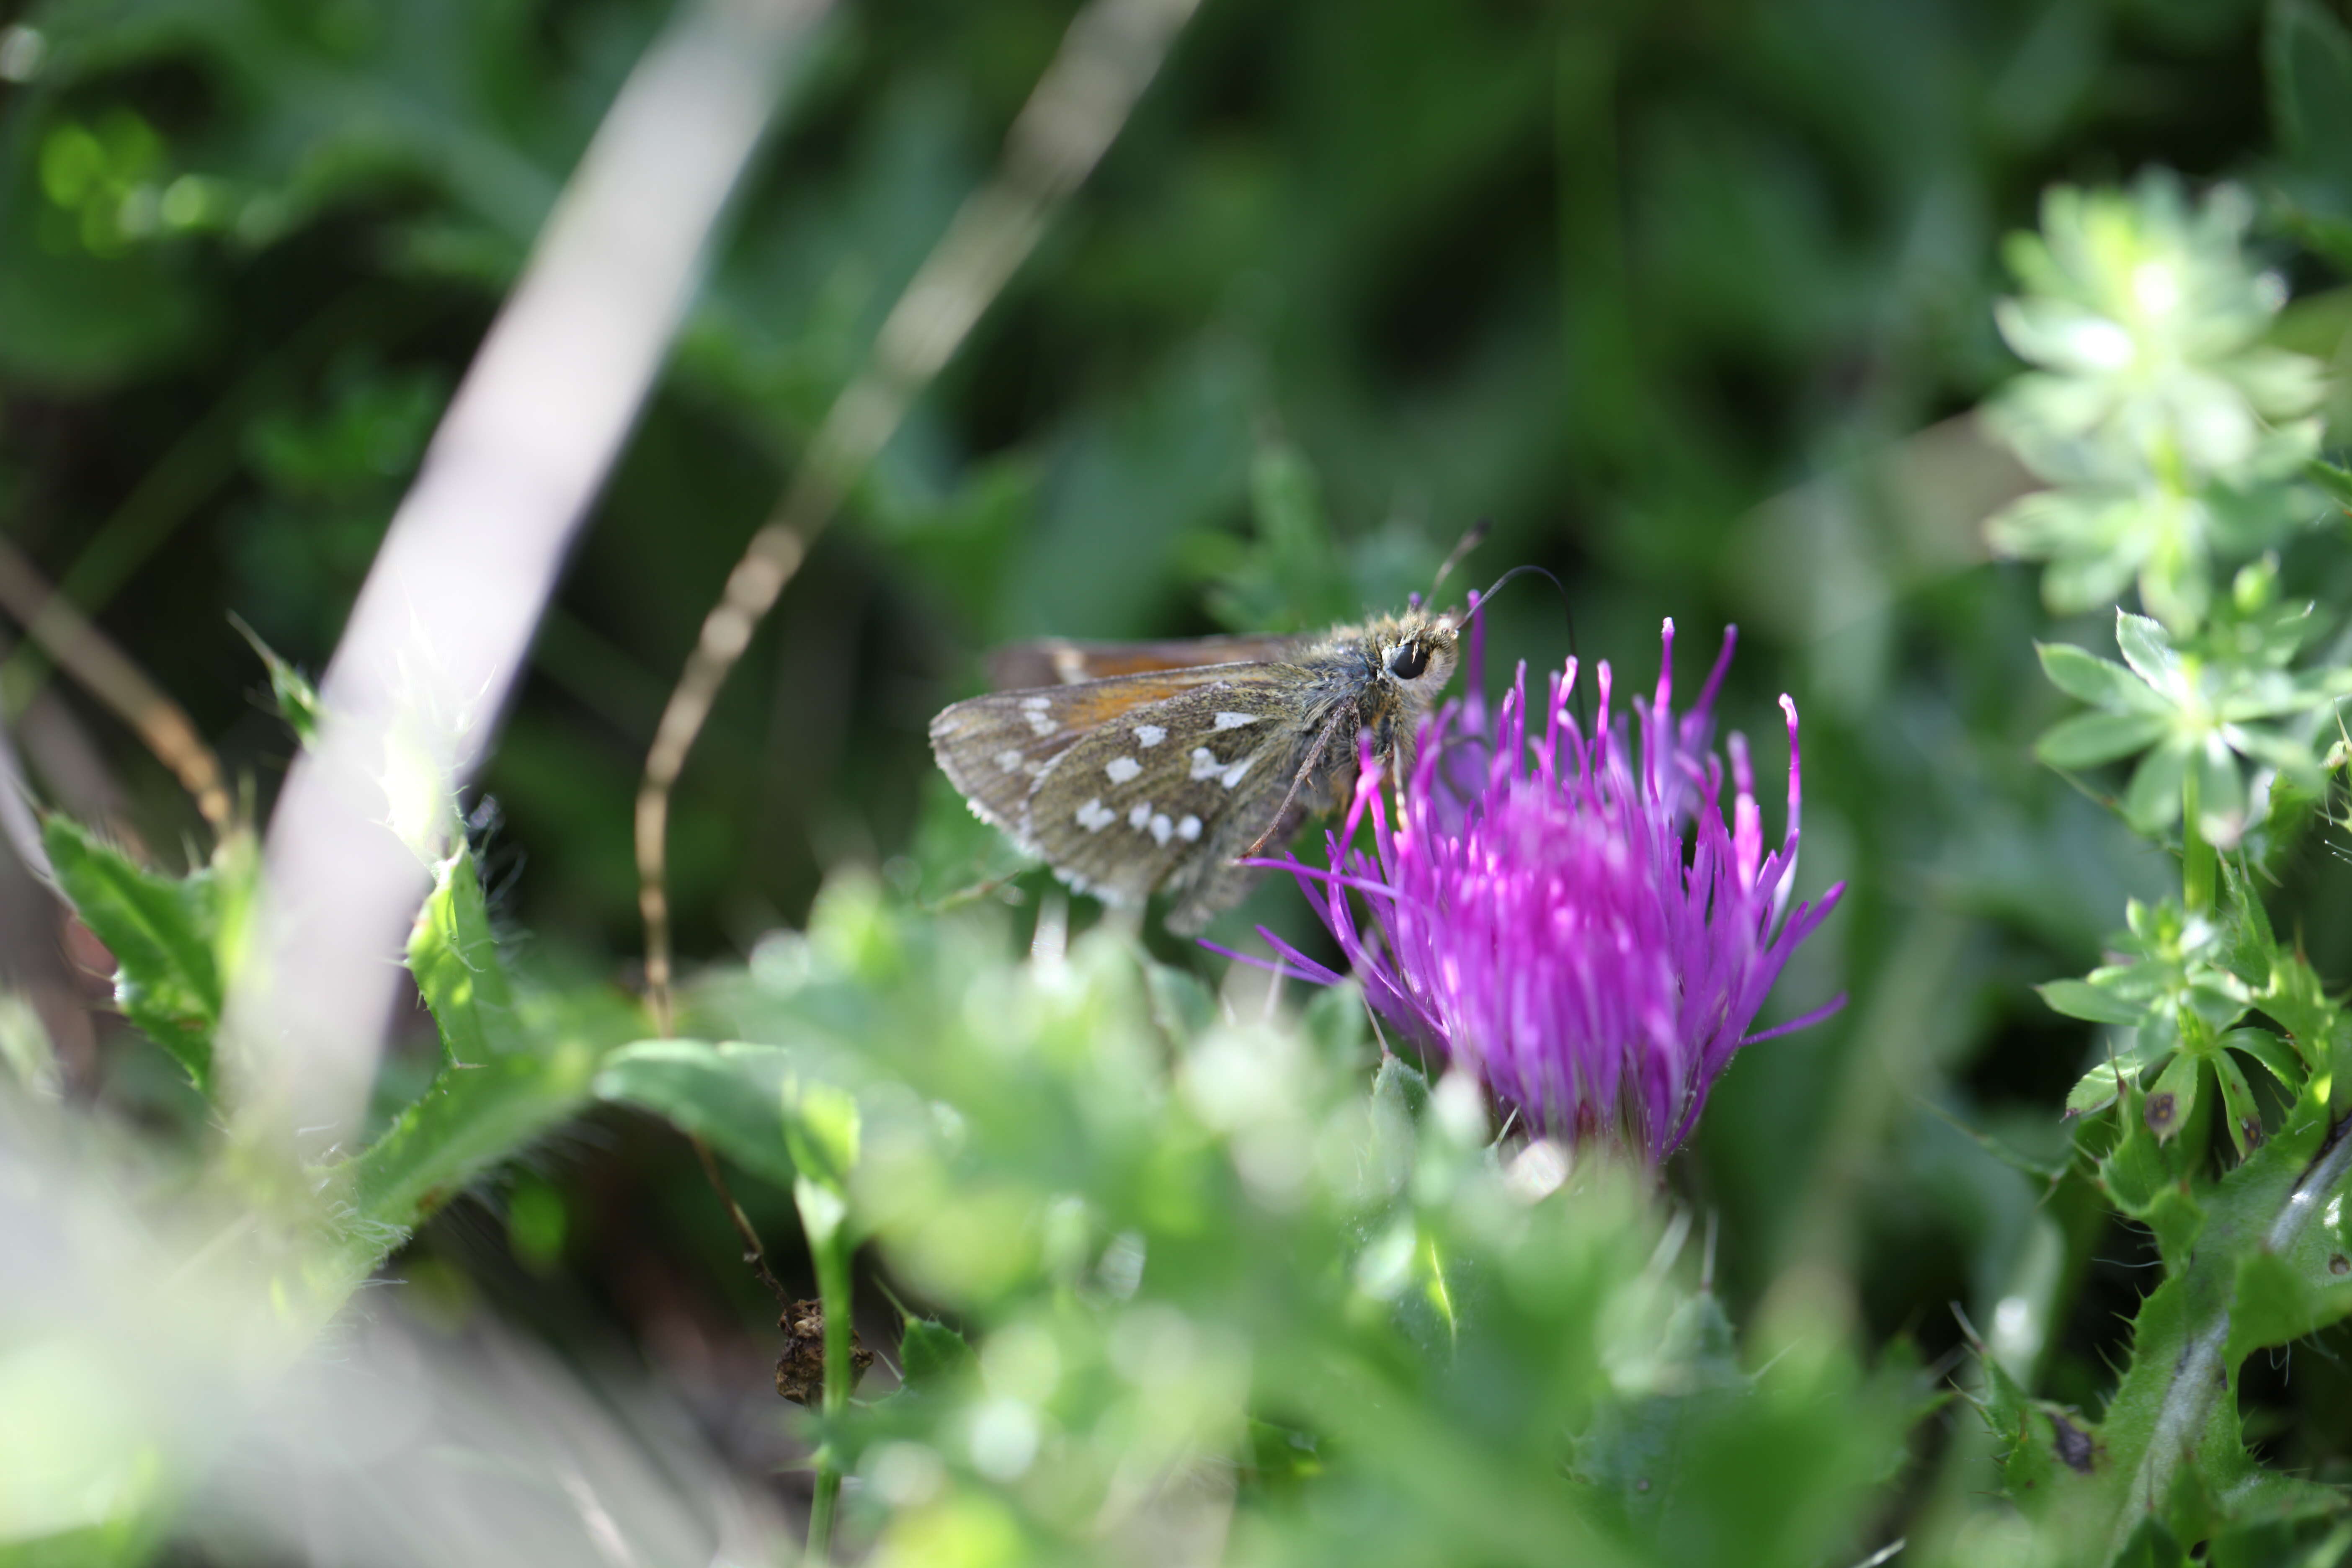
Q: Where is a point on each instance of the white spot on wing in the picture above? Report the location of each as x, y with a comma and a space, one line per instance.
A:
1139, 815
1009, 761
1233, 775
1235, 720
1188, 829
1148, 735
1161, 827
1039, 721
1205, 762
1094, 817
1122, 769
1036, 704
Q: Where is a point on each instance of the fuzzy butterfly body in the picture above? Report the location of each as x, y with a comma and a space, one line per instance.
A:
1158, 778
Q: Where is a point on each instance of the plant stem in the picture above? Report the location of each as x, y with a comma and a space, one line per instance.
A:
2199, 1375
2196, 858
755, 1254
832, 1259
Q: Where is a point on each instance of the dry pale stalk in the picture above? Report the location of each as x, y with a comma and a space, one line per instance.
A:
1110, 55
445, 616
107, 673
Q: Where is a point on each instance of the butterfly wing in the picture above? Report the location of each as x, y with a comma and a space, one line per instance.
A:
1059, 661
1124, 785
994, 749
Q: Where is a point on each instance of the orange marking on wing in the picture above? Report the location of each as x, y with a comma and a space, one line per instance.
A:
1058, 661
1099, 702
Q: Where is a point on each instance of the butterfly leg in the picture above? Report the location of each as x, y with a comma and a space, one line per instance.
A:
1284, 821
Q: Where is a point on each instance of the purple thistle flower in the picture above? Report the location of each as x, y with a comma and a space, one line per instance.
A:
1572, 921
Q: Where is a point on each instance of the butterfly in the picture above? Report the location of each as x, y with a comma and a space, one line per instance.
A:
1136, 768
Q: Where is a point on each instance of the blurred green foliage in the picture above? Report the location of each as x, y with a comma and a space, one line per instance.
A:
1689, 297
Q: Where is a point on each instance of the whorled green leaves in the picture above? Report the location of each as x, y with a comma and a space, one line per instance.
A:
2255, 1257
1170, 1242
2205, 716
2180, 990
2170, 433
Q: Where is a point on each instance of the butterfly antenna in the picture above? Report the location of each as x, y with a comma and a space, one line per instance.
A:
1568, 613
1472, 537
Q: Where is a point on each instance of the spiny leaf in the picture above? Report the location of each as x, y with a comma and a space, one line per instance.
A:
472, 1117
2276, 1303
2175, 1408
163, 932
297, 698
459, 969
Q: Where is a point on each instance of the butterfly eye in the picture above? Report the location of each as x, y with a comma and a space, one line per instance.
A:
1407, 660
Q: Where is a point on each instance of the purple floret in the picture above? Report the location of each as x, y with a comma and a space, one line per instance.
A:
1572, 920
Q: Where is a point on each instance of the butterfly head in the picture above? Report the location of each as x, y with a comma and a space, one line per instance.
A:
1407, 660
1417, 653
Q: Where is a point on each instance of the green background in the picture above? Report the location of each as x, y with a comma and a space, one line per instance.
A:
1691, 300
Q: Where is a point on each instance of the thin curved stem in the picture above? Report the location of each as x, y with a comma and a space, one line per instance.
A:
108, 674
831, 1259
2198, 870
1111, 52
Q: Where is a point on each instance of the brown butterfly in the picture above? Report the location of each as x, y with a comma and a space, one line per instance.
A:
1135, 768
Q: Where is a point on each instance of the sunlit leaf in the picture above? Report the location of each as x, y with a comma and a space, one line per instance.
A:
164, 932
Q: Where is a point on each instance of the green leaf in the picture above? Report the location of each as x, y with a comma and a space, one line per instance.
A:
821, 1131
75, 322
2089, 739
726, 1094
2175, 1408
459, 969
1398, 1083
2097, 1089
1334, 1018
2297, 1000
2172, 1098
470, 1118
2151, 801
2276, 1302
2252, 949
2220, 794
297, 697
2245, 1123
2141, 1179
2045, 1170
932, 1356
2102, 682
2152, 1546
1282, 1459
2334, 481
2309, 60
163, 932
2098, 1004
1180, 1006
2271, 1051
1632, 1456
2147, 650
